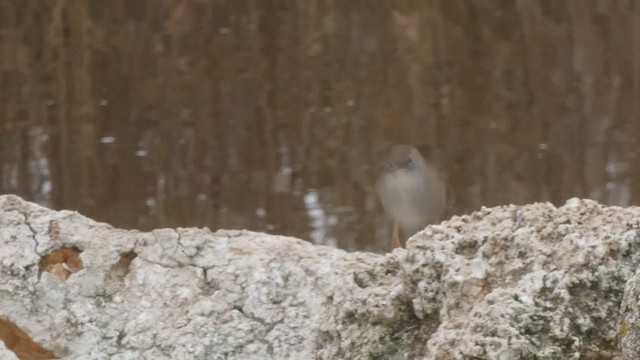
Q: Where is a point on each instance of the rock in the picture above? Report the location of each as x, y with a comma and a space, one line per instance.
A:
529, 281
510, 282
5, 354
629, 328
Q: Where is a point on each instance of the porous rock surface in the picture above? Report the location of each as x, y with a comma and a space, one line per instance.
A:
512, 282
629, 328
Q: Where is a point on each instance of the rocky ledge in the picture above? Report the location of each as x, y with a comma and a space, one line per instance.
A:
511, 282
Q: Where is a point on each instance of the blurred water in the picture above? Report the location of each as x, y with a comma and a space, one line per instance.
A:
276, 117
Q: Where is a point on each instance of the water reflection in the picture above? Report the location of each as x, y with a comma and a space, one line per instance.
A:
319, 221
276, 117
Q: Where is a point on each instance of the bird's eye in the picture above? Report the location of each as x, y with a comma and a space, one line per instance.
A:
409, 164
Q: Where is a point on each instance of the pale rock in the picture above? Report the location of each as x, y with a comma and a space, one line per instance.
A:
532, 281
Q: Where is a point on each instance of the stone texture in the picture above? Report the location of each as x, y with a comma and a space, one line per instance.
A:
510, 282
528, 282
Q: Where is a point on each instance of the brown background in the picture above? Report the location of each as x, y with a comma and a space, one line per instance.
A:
275, 115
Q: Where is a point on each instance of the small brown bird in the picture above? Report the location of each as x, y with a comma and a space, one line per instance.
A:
411, 192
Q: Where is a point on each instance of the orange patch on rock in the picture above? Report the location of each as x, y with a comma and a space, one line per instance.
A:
62, 262
20, 342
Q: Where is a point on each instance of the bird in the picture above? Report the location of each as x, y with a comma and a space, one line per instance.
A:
411, 192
